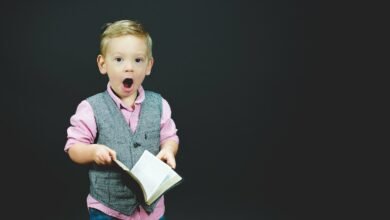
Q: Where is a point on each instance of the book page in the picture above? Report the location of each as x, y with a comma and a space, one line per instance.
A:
172, 179
150, 172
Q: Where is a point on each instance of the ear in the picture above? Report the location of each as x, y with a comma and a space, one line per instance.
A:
101, 64
149, 67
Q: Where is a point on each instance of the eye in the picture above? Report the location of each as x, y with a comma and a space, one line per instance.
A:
118, 59
139, 60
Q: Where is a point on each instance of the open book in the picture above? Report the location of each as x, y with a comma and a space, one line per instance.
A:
153, 176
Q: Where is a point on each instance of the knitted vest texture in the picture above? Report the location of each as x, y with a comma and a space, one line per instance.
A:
107, 183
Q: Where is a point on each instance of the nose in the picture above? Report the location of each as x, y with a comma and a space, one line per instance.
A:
128, 67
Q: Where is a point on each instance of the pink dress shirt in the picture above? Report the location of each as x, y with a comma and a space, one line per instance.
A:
83, 129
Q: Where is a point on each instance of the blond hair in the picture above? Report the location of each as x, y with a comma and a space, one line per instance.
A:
122, 28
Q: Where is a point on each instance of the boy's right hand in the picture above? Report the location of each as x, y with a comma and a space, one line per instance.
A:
103, 155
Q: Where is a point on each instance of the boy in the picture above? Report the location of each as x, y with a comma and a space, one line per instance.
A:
121, 123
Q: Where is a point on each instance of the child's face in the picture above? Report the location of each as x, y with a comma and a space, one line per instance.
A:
126, 63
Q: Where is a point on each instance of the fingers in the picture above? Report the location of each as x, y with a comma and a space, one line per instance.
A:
112, 153
168, 158
171, 162
104, 155
103, 159
160, 155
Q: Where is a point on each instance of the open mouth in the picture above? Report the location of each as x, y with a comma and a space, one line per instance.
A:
127, 83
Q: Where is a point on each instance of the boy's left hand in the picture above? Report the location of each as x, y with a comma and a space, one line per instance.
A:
167, 156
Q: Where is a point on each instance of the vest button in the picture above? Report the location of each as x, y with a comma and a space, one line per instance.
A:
136, 145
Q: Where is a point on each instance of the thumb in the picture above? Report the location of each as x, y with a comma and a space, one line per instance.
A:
171, 162
112, 153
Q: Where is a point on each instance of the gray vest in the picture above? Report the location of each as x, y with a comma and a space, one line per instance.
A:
107, 184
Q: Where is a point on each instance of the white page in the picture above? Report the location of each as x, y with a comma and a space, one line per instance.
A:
151, 171
171, 179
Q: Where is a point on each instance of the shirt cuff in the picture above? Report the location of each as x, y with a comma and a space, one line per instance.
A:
174, 138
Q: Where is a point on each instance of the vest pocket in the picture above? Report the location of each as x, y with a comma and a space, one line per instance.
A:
152, 141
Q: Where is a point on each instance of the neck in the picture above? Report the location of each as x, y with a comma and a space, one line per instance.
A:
129, 101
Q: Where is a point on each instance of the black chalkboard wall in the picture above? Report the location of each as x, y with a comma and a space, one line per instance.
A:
252, 86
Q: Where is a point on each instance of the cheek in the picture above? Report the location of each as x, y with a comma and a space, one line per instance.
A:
140, 78
114, 77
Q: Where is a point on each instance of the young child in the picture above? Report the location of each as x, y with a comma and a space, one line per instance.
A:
121, 123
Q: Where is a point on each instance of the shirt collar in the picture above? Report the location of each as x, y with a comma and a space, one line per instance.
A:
140, 97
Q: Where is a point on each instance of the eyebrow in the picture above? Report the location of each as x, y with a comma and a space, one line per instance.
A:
141, 54
134, 54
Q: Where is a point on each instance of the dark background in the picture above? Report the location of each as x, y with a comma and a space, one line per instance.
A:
261, 93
